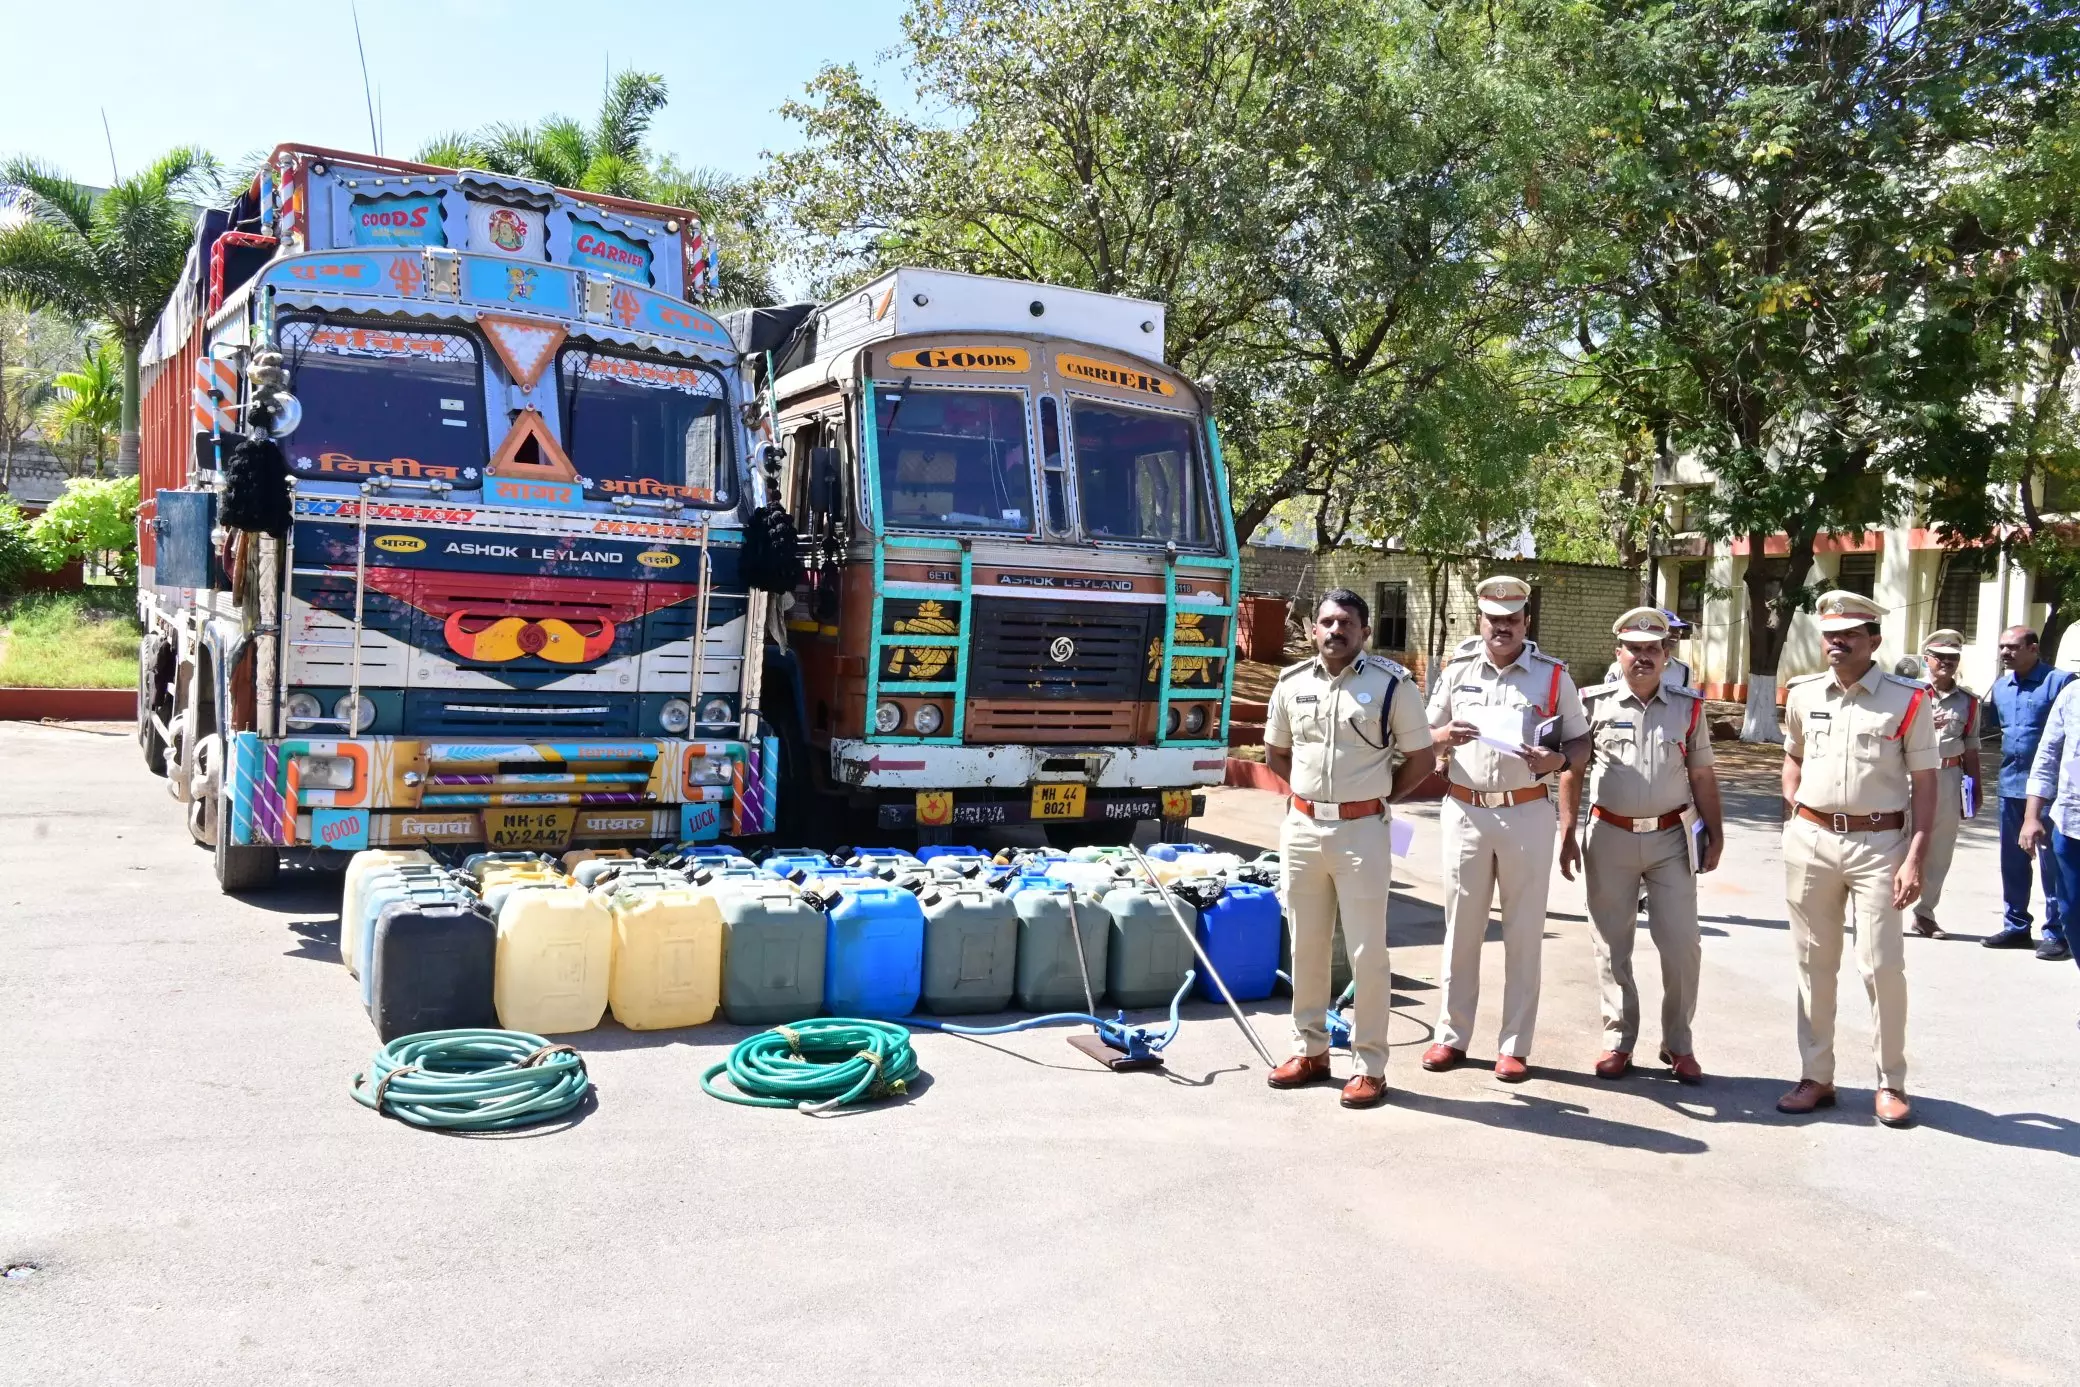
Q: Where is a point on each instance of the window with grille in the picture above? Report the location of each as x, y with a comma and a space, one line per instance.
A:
1858, 574
1690, 593
1957, 601
1390, 616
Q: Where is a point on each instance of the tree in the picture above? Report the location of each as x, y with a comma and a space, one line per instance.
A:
603, 157
113, 256
1320, 193
95, 517
86, 405
34, 347
1775, 265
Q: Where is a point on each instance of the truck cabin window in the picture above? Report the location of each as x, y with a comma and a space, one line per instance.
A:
382, 399
644, 428
1139, 477
954, 459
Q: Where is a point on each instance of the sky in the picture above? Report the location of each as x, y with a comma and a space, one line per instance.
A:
437, 65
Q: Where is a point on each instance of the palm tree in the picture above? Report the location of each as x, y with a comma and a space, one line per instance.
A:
88, 406
115, 256
606, 157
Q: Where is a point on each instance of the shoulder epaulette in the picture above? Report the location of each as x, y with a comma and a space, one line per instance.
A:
1599, 690
1684, 689
1535, 653
1807, 678
1902, 680
1290, 670
1393, 667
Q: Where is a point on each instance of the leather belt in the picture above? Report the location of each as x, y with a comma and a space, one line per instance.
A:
1495, 799
1354, 809
1950, 761
1855, 823
1647, 825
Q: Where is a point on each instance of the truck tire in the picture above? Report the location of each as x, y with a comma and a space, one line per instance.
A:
242, 869
148, 738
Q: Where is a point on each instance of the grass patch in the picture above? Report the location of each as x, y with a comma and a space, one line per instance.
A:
70, 640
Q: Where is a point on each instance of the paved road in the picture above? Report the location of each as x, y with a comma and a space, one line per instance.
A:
179, 1157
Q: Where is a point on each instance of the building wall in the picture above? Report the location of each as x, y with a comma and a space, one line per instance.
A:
1910, 565
1576, 605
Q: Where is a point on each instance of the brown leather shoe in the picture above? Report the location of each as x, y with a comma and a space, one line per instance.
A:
1809, 1094
1613, 1064
1300, 1070
1926, 927
1893, 1108
1365, 1091
1511, 1069
1440, 1057
1685, 1067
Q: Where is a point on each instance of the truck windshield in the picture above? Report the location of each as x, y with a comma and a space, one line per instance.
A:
954, 459
384, 399
635, 426
1139, 475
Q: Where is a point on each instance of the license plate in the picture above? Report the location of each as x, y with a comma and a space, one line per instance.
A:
529, 828
1057, 800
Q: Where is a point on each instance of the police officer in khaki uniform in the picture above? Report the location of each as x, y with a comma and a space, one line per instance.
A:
1335, 728
1498, 821
1859, 788
1956, 710
1650, 777
1674, 671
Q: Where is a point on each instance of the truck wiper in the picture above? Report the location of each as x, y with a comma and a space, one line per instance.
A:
903, 393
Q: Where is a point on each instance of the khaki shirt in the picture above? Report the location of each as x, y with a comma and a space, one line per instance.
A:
1856, 759
1641, 754
1472, 682
1957, 720
1345, 737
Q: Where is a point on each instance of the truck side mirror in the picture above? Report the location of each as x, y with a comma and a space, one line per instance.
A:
823, 479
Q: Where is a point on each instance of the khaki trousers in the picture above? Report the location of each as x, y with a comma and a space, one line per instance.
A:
1942, 843
1339, 870
1510, 848
1823, 872
1617, 864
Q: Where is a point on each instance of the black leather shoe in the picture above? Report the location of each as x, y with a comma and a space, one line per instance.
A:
2052, 949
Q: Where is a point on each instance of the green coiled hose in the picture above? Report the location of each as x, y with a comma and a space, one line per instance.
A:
817, 1065
473, 1080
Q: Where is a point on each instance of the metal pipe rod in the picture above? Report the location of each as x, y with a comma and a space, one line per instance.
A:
1204, 962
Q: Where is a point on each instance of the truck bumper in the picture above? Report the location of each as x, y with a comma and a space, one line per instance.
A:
406, 792
962, 786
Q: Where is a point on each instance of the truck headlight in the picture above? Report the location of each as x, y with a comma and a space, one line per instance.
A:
358, 714
927, 719
326, 773
1195, 719
887, 718
1171, 723
675, 716
716, 711
302, 709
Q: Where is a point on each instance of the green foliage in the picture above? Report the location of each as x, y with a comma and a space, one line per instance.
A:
69, 640
1324, 195
20, 556
114, 257
94, 518
86, 405
1772, 264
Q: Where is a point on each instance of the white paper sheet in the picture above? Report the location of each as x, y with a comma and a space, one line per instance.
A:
1500, 727
1402, 834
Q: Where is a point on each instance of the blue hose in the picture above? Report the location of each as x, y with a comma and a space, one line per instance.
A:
1115, 1033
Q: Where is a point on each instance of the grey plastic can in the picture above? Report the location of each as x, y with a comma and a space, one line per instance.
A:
772, 951
1048, 978
1149, 955
970, 949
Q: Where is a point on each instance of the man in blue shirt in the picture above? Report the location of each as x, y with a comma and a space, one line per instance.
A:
2053, 815
2020, 705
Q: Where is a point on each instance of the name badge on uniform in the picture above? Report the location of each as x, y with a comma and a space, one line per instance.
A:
1627, 725
1468, 688
1306, 698
1820, 716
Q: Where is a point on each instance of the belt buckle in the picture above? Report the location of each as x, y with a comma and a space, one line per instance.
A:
1841, 823
1648, 823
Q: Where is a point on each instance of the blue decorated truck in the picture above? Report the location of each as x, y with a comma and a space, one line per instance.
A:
492, 589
